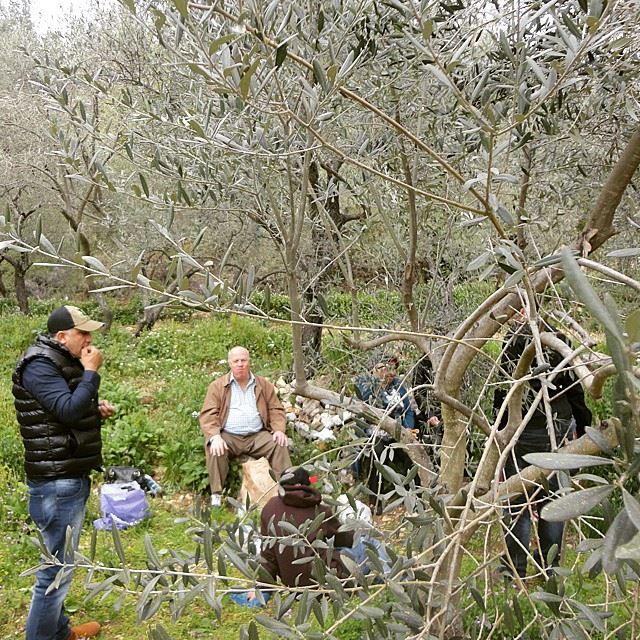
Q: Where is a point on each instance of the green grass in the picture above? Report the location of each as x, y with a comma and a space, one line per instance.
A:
511, 609
117, 610
157, 382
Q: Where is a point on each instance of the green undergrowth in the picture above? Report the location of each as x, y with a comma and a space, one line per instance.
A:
170, 528
157, 383
530, 610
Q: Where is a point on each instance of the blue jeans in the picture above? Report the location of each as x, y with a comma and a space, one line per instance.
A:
518, 534
358, 552
54, 505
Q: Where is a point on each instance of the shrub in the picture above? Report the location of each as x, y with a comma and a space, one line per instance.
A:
183, 459
122, 396
13, 499
132, 440
468, 295
277, 305
131, 437
8, 307
378, 308
11, 450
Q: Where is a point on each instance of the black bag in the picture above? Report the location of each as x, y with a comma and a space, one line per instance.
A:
121, 475
124, 474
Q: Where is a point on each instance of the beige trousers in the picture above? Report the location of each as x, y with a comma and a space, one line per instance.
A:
256, 445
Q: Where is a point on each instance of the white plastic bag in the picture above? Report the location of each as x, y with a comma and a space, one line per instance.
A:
346, 512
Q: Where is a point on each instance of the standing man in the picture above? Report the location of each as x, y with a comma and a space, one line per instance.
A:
569, 413
242, 415
55, 386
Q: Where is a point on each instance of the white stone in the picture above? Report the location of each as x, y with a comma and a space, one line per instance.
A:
346, 512
326, 420
324, 434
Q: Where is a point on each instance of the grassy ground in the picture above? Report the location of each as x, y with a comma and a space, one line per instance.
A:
168, 528
157, 382
117, 612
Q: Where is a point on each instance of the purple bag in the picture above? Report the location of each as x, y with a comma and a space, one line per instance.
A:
124, 504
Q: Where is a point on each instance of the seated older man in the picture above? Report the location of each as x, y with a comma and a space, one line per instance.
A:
242, 416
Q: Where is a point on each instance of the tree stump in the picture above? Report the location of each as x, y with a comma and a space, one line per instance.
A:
257, 483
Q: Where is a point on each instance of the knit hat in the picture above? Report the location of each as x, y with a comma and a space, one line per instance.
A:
299, 475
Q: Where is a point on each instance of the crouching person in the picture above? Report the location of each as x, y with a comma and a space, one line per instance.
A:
297, 504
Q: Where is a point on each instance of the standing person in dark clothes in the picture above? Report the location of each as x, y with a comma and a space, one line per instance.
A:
55, 386
299, 503
569, 412
429, 414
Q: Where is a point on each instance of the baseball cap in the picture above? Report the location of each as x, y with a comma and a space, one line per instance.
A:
68, 317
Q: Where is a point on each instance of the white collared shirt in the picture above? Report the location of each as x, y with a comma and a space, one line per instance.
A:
243, 418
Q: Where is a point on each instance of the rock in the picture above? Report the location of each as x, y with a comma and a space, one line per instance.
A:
303, 429
327, 420
311, 406
323, 435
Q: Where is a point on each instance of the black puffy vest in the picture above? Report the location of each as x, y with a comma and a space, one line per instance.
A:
53, 449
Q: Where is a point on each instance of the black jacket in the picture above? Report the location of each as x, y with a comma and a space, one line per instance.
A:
567, 396
58, 445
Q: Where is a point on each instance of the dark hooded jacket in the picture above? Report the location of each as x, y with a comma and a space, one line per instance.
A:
566, 395
298, 505
56, 447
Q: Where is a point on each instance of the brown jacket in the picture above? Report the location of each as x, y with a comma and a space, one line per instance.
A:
299, 504
216, 406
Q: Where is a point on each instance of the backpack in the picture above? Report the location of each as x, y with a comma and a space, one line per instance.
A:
123, 474
123, 504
